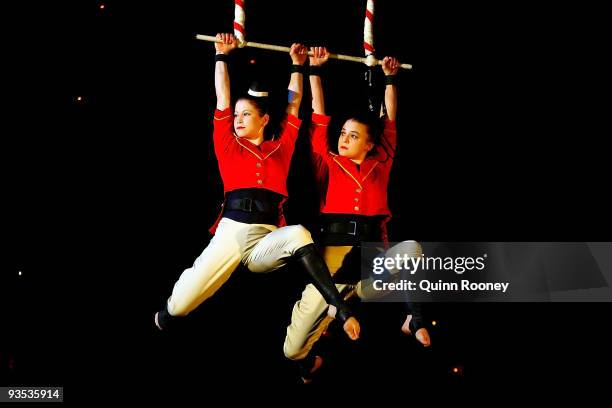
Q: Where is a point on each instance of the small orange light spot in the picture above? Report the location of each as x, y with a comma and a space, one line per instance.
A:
79, 99
434, 323
455, 370
102, 6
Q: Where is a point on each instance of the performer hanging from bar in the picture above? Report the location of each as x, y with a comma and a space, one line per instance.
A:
353, 210
414, 317
250, 229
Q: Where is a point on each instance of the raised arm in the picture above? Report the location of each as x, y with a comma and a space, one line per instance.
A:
222, 83
298, 54
319, 123
390, 67
320, 57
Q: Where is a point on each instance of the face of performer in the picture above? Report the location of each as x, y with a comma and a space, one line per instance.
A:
249, 121
354, 141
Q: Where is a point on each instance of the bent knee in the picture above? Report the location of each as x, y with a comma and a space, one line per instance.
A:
299, 236
410, 248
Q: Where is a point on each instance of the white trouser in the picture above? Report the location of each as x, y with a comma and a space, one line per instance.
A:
309, 318
261, 247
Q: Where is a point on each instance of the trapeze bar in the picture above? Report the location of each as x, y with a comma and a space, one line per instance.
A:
252, 44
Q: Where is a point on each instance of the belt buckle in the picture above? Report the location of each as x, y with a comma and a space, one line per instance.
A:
250, 206
354, 227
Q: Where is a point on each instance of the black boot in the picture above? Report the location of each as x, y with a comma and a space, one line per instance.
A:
310, 259
417, 322
307, 365
164, 320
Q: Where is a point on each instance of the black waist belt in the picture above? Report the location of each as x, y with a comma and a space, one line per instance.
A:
351, 228
250, 205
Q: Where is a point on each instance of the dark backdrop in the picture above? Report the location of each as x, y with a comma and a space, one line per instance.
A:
109, 198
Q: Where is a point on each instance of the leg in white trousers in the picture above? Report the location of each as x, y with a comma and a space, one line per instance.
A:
309, 319
261, 247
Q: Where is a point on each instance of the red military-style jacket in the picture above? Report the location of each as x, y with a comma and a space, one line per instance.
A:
350, 190
245, 165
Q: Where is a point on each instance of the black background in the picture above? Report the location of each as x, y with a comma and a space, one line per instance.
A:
109, 198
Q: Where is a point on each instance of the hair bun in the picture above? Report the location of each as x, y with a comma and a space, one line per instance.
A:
258, 90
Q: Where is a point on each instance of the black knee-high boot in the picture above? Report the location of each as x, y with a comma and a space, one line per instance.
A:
312, 261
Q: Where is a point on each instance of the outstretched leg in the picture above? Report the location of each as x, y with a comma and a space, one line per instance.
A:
208, 273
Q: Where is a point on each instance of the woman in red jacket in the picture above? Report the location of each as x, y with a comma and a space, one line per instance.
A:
251, 228
353, 209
